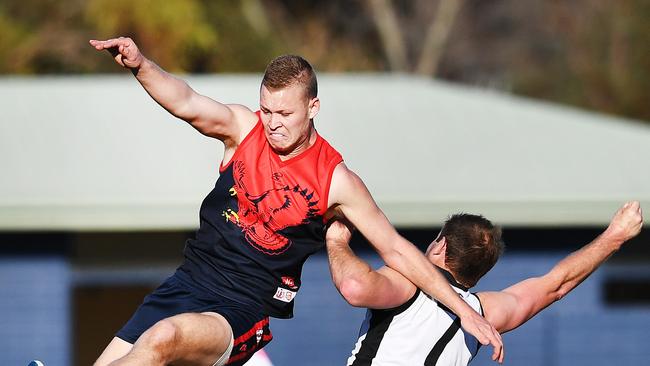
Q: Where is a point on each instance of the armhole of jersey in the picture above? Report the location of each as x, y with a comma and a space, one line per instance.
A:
402, 308
480, 304
326, 191
258, 124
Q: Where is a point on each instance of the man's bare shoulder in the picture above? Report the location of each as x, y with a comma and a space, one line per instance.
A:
244, 118
344, 184
345, 177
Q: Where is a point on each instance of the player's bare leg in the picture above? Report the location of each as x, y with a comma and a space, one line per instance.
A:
117, 349
185, 339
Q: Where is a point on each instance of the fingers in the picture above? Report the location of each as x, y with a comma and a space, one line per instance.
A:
502, 353
631, 209
111, 43
123, 49
491, 336
497, 343
486, 334
338, 230
102, 45
627, 222
628, 210
631, 206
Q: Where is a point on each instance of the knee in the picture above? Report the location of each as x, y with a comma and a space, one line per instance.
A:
162, 338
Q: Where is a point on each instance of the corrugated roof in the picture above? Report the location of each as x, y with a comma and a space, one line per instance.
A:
87, 153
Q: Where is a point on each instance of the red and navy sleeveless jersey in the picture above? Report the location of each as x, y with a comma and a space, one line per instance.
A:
261, 221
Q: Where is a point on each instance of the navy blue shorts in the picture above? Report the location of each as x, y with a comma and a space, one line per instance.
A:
178, 295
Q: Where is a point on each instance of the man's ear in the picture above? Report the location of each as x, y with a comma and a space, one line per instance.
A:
314, 107
440, 248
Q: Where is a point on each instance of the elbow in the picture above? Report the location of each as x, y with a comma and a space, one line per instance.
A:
353, 291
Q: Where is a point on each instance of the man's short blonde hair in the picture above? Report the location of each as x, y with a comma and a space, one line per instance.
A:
290, 69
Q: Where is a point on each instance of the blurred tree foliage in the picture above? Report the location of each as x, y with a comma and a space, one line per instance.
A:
590, 53
173, 32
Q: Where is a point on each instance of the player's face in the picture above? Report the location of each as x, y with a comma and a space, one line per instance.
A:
286, 115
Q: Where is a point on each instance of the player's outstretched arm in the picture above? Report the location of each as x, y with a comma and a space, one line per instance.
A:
510, 308
224, 122
357, 282
350, 195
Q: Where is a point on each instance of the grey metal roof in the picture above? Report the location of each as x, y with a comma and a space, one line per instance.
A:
86, 153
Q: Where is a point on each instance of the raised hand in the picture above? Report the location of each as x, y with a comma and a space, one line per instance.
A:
123, 49
626, 223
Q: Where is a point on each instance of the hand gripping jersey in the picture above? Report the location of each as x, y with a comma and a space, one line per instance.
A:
419, 332
261, 221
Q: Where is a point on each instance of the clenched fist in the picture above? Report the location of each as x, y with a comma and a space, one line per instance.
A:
626, 223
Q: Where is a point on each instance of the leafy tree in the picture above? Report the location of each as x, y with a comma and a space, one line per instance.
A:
172, 32
590, 53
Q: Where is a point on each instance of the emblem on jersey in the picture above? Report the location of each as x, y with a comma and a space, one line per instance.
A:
289, 282
264, 213
284, 295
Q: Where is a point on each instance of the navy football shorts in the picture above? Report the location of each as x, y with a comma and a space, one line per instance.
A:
179, 295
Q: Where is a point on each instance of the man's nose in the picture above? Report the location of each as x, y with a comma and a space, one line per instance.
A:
274, 121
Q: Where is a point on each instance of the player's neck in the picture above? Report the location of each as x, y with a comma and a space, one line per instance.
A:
303, 145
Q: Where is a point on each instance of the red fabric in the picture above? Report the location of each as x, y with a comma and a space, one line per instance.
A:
273, 194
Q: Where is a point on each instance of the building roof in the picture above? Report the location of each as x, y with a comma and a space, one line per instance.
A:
96, 153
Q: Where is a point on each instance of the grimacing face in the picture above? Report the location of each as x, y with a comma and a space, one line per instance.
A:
286, 115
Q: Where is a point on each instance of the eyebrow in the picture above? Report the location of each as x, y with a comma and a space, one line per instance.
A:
263, 107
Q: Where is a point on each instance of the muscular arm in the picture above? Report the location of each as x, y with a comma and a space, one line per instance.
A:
357, 282
228, 123
351, 197
510, 308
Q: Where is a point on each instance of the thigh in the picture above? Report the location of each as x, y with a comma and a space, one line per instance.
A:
205, 321
171, 298
198, 338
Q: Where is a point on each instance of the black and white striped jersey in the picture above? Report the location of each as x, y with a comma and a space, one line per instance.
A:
419, 332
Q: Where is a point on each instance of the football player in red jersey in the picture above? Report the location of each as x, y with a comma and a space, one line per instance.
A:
279, 180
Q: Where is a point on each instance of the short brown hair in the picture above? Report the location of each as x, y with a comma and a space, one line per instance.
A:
288, 69
474, 245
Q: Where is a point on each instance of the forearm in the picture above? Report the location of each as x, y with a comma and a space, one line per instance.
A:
412, 264
572, 270
361, 285
170, 92
525, 299
344, 264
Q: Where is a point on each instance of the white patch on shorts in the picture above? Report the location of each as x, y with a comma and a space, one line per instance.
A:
285, 295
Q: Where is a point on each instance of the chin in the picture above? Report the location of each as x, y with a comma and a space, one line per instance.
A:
281, 149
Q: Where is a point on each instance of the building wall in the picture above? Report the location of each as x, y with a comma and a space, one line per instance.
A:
63, 306
580, 330
35, 310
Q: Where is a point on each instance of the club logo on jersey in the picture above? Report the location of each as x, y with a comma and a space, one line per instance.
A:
258, 335
264, 212
289, 282
284, 295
